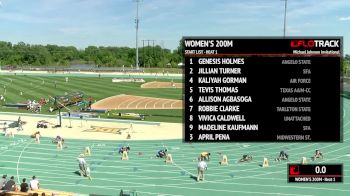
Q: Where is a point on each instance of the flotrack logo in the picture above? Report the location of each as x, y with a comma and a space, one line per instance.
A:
314, 43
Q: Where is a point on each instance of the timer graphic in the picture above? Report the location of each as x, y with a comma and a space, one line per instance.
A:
294, 170
315, 173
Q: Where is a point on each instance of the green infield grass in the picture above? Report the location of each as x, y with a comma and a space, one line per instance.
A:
36, 87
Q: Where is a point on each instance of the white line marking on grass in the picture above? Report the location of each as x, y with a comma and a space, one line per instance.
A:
159, 103
166, 102
18, 161
125, 99
174, 102
126, 103
140, 103
155, 103
136, 100
31, 90
151, 100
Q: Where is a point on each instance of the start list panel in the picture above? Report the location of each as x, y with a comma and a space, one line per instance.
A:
262, 89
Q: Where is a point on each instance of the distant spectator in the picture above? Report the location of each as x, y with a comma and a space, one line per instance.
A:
10, 185
19, 123
35, 194
24, 186
3, 182
34, 184
43, 194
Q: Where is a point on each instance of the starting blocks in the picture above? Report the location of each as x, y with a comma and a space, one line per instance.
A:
125, 156
224, 160
87, 151
303, 161
169, 159
265, 163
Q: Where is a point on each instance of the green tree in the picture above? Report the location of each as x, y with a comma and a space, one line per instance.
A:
39, 55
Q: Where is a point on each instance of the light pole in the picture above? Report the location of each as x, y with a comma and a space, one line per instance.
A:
137, 32
285, 18
59, 113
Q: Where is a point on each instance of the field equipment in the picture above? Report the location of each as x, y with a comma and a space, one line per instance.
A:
69, 99
42, 124
132, 116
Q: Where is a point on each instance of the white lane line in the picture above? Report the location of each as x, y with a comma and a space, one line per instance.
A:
18, 160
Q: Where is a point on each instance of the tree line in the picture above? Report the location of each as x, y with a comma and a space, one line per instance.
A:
346, 65
22, 54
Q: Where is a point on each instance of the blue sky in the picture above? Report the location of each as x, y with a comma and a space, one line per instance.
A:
111, 22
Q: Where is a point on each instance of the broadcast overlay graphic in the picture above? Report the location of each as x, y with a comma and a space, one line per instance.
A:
262, 89
325, 173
